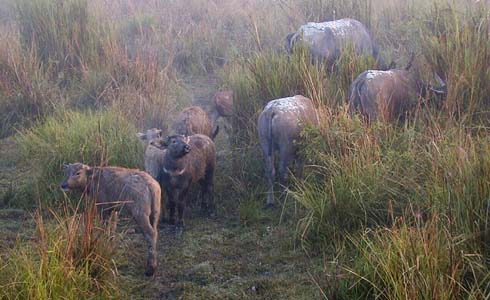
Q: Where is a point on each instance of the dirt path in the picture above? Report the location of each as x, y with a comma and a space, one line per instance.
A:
221, 259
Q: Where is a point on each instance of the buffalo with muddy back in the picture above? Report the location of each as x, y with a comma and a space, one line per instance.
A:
279, 126
391, 95
328, 40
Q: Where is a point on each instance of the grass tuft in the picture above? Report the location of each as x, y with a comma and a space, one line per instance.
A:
100, 138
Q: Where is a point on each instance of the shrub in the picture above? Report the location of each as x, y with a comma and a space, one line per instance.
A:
101, 138
365, 176
358, 176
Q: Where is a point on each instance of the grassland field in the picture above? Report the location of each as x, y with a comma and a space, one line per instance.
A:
384, 211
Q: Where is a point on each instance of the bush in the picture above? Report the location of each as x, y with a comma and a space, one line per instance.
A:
358, 176
101, 138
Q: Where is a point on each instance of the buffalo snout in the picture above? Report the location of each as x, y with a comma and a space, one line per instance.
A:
64, 186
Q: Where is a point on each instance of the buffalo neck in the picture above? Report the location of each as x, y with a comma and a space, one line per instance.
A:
174, 164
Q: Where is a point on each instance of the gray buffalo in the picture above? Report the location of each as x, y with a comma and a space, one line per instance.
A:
279, 126
327, 40
389, 95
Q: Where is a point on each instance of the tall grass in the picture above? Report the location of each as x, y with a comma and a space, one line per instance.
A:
25, 89
267, 76
63, 34
94, 138
71, 258
423, 261
365, 176
457, 46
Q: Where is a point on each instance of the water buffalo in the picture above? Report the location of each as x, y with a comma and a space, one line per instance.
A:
221, 106
194, 120
389, 95
279, 126
153, 156
327, 40
187, 160
132, 188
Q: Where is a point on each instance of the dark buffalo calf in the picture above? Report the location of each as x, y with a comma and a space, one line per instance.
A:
194, 120
187, 160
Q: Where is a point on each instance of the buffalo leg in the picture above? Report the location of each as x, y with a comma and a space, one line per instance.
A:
171, 207
150, 234
287, 156
207, 193
270, 174
182, 199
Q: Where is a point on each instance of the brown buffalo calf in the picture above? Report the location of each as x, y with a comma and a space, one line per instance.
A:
194, 120
132, 188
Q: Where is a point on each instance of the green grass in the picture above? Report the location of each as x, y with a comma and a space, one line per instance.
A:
424, 260
72, 258
94, 138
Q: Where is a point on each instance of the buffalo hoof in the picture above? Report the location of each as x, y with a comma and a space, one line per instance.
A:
269, 206
169, 229
212, 214
179, 231
150, 271
207, 212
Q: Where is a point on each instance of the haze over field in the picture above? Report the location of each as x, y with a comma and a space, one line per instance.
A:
393, 208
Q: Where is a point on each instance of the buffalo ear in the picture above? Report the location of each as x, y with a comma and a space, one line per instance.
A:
166, 142
160, 144
289, 42
65, 166
438, 91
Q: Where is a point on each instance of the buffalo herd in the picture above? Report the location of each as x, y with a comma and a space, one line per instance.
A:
187, 156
